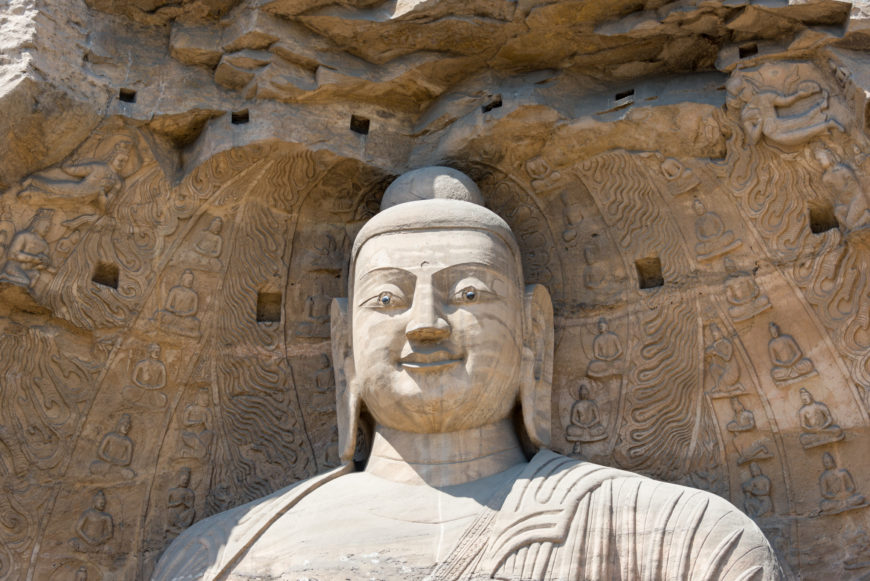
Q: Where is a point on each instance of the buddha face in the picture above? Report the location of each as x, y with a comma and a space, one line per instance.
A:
119, 160
41, 227
437, 329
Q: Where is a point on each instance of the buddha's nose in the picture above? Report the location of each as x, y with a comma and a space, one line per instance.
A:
427, 323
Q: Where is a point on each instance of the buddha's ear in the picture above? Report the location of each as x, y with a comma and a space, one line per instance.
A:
346, 395
537, 373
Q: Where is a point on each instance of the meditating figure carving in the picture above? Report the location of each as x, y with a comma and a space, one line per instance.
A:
324, 377
756, 493
585, 426
817, 422
148, 377
317, 311
439, 343
722, 366
94, 527
209, 243
115, 451
787, 359
606, 352
181, 504
838, 488
27, 255
182, 304
745, 299
196, 419
713, 239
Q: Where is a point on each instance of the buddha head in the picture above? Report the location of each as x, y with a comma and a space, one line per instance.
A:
99, 500
439, 332
583, 390
806, 396
715, 332
124, 424
120, 155
41, 222
774, 330
184, 477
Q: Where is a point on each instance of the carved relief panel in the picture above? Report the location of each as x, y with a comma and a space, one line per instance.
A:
166, 341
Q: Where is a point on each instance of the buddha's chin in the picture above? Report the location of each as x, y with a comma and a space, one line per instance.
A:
446, 401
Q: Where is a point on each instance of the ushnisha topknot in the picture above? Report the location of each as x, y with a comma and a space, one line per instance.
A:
436, 182
434, 198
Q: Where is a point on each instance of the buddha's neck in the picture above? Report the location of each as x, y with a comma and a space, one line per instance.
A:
444, 459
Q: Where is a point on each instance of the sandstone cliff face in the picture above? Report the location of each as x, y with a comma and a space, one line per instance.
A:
180, 183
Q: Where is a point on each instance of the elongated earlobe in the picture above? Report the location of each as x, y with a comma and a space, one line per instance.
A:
537, 373
346, 395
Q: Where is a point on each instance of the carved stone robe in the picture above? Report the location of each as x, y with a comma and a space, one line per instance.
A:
558, 519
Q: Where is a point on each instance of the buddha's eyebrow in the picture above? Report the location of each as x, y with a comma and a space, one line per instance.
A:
388, 272
471, 266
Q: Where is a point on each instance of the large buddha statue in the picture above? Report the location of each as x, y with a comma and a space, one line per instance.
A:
440, 343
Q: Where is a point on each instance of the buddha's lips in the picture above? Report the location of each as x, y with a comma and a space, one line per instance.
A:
421, 359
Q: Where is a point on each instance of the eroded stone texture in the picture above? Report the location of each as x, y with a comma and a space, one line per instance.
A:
191, 175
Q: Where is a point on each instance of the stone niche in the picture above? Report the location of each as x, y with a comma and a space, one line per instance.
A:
180, 184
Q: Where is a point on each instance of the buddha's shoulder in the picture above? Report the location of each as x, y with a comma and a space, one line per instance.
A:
204, 549
569, 478
572, 501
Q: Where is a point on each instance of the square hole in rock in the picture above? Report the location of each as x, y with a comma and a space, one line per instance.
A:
623, 95
649, 272
359, 125
495, 103
822, 219
106, 274
240, 117
127, 95
747, 50
268, 307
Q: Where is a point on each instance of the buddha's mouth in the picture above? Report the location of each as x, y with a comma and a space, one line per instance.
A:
429, 360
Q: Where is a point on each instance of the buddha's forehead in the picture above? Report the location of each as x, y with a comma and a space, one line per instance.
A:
435, 250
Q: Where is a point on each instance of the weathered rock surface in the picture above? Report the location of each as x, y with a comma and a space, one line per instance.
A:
190, 175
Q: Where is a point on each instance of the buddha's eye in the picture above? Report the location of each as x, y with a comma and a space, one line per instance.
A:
387, 299
468, 294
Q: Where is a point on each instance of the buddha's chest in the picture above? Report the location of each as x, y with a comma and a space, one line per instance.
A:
361, 534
